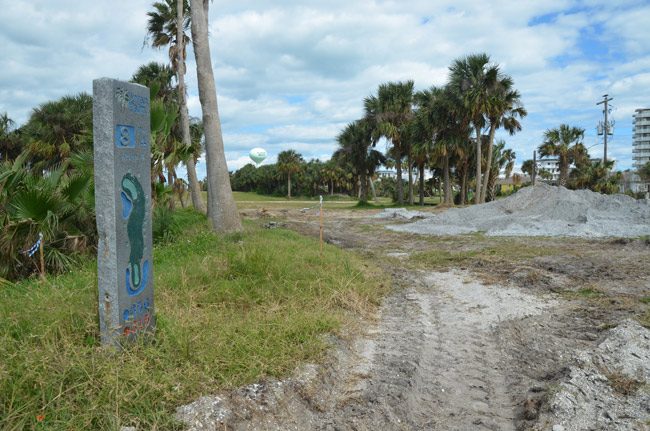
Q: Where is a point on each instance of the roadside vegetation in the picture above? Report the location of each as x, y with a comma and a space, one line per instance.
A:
231, 309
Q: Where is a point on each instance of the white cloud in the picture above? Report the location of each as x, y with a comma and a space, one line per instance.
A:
292, 74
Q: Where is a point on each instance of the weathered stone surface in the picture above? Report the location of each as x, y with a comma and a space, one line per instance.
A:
123, 206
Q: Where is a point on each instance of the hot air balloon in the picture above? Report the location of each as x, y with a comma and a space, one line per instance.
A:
257, 155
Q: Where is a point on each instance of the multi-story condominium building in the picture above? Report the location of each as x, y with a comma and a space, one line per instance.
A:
552, 166
641, 145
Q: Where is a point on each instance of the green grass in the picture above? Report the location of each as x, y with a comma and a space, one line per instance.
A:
253, 197
589, 292
476, 247
248, 200
230, 310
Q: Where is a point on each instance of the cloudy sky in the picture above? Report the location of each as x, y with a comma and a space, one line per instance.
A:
290, 74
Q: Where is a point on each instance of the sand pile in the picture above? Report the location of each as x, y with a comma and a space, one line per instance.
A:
592, 399
401, 213
543, 211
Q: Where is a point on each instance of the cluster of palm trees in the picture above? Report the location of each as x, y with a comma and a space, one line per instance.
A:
46, 187
292, 176
450, 129
565, 143
46, 166
167, 26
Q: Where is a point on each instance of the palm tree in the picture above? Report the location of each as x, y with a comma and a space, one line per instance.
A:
565, 143
289, 162
163, 30
503, 158
509, 158
425, 130
59, 205
422, 150
354, 144
442, 119
158, 77
473, 78
222, 209
528, 167
504, 110
330, 174
10, 142
390, 113
595, 176
57, 129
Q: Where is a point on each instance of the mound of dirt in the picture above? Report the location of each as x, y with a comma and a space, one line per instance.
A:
543, 210
401, 213
606, 389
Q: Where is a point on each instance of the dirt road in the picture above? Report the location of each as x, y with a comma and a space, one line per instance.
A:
479, 334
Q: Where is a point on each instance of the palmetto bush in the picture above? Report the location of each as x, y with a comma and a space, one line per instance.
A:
58, 203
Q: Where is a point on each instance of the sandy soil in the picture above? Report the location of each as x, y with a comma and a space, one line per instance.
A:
479, 333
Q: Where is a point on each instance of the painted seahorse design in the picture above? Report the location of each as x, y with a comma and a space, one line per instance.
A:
133, 210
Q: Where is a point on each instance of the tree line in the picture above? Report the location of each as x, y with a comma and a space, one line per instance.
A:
449, 130
46, 165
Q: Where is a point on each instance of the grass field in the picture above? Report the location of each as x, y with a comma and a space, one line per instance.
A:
230, 310
252, 200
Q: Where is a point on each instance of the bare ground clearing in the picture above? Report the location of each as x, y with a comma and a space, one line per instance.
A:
480, 333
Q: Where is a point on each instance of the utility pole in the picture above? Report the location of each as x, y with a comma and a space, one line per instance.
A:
604, 128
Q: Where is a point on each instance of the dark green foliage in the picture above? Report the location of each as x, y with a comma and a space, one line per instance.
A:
158, 77
56, 130
390, 114
59, 204
355, 143
10, 139
596, 177
310, 180
244, 179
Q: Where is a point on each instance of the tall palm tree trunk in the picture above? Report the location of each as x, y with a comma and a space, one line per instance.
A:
399, 185
363, 191
488, 168
421, 167
289, 185
192, 179
170, 183
564, 170
463, 182
447, 180
477, 194
222, 210
410, 163
372, 188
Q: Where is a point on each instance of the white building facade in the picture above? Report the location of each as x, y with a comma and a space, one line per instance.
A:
550, 165
641, 145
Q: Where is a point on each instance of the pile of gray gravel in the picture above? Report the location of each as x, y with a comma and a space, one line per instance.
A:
543, 210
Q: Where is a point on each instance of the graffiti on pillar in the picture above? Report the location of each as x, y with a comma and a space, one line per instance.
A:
133, 210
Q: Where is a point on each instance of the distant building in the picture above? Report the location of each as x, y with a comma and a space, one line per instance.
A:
641, 146
386, 173
552, 166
